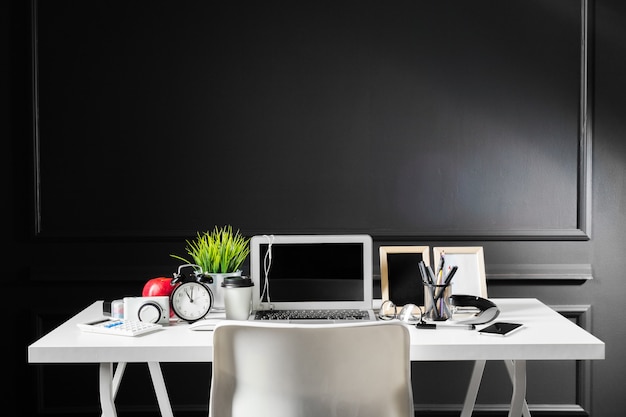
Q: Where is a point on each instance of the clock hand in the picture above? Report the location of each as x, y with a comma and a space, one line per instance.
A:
188, 296
191, 298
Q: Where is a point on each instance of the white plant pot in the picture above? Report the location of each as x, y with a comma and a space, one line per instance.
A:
216, 287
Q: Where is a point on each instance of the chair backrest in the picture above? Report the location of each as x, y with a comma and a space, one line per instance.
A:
283, 370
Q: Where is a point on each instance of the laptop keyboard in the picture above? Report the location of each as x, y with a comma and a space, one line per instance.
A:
343, 314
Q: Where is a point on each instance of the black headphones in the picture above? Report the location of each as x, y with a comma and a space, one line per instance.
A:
487, 309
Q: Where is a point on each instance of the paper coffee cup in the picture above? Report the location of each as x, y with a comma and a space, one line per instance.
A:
237, 293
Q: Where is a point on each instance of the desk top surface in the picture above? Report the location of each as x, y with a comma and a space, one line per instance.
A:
546, 335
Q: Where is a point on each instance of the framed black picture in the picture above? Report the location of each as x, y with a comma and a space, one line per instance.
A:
399, 274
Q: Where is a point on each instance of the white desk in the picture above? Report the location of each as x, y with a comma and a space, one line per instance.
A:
547, 335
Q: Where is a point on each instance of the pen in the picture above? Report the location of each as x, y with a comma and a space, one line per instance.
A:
450, 275
434, 326
447, 282
117, 323
425, 276
441, 264
421, 271
431, 274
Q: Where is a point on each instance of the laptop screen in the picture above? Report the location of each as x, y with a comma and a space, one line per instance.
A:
312, 271
315, 272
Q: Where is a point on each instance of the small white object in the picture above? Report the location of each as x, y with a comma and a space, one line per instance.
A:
205, 324
119, 327
117, 309
237, 293
154, 309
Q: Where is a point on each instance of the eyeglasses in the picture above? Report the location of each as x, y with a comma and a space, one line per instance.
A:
409, 313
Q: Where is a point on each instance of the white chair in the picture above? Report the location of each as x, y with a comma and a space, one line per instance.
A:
266, 369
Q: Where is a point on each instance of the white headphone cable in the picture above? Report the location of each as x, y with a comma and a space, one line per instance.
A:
267, 264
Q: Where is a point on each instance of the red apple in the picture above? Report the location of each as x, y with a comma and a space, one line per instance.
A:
160, 286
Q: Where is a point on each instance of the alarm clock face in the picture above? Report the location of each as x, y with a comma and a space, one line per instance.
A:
191, 301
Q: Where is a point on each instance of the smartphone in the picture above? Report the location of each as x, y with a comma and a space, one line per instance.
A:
500, 329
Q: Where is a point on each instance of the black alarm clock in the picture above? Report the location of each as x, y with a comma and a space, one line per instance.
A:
192, 299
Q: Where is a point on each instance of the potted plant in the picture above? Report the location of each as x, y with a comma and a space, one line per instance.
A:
220, 253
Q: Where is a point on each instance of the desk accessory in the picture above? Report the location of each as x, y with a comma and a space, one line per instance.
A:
205, 324
470, 278
486, 310
397, 273
119, 327
237, 292
444, 325
408, 313
114, 308
436, 291
437, 303
147, 309
500, 329
219, 253
158, 287
192, 298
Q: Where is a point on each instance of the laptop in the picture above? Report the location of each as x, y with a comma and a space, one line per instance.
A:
312, 278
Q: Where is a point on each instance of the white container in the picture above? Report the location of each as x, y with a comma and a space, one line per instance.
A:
237, 292
216, 287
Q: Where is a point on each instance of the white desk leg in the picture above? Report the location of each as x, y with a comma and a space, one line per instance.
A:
519, 389
510, 367
472, 390
117, 377
159, 388
106, 390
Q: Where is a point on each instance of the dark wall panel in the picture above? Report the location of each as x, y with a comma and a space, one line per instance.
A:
394, 118
417, 122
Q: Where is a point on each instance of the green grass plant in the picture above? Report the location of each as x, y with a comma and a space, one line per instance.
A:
217, 251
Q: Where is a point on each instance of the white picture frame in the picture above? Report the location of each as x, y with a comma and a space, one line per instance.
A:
470, 278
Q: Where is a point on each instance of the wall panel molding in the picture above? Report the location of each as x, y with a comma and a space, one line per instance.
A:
565, 273
77, 195
534, 272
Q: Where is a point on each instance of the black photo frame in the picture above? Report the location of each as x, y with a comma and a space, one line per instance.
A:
399, 273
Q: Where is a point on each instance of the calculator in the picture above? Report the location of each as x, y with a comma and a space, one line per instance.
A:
119, 327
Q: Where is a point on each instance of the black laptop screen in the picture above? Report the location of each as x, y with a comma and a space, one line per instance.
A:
314, 272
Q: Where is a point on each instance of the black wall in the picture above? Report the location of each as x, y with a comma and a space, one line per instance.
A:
132, 125
316, 116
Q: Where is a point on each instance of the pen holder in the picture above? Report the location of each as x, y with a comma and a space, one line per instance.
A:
437, 301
